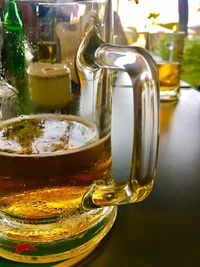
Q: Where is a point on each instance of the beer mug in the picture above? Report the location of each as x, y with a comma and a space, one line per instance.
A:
58, 196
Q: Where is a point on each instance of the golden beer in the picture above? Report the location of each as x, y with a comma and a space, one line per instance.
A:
47, 164
47, 51
169, 75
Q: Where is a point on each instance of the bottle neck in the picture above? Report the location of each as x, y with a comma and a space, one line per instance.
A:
12, 20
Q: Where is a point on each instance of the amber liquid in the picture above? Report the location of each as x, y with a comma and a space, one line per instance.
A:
169, 76
47, 51
48, 162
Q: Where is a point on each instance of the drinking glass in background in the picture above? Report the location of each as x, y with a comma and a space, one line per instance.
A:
167, 50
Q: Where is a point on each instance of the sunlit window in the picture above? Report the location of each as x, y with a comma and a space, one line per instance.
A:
143, 15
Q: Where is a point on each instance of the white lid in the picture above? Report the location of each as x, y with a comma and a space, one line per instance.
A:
46, 70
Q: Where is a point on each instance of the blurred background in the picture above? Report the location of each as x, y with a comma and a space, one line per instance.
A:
136, 20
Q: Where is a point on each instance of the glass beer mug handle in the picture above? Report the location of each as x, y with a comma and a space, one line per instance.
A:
143, 73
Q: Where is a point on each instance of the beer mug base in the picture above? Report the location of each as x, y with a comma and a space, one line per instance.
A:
169, 95
31, 248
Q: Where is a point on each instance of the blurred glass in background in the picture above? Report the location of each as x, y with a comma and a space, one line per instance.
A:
167, 50
137, 20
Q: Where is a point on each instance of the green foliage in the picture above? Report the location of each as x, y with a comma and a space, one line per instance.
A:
170, 25
153, 15
191, 61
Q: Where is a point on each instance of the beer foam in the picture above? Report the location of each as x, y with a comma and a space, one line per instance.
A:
46, 134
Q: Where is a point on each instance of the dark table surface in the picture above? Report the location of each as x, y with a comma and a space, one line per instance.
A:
164, 229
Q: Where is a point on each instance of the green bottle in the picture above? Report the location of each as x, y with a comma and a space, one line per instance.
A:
13, 54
